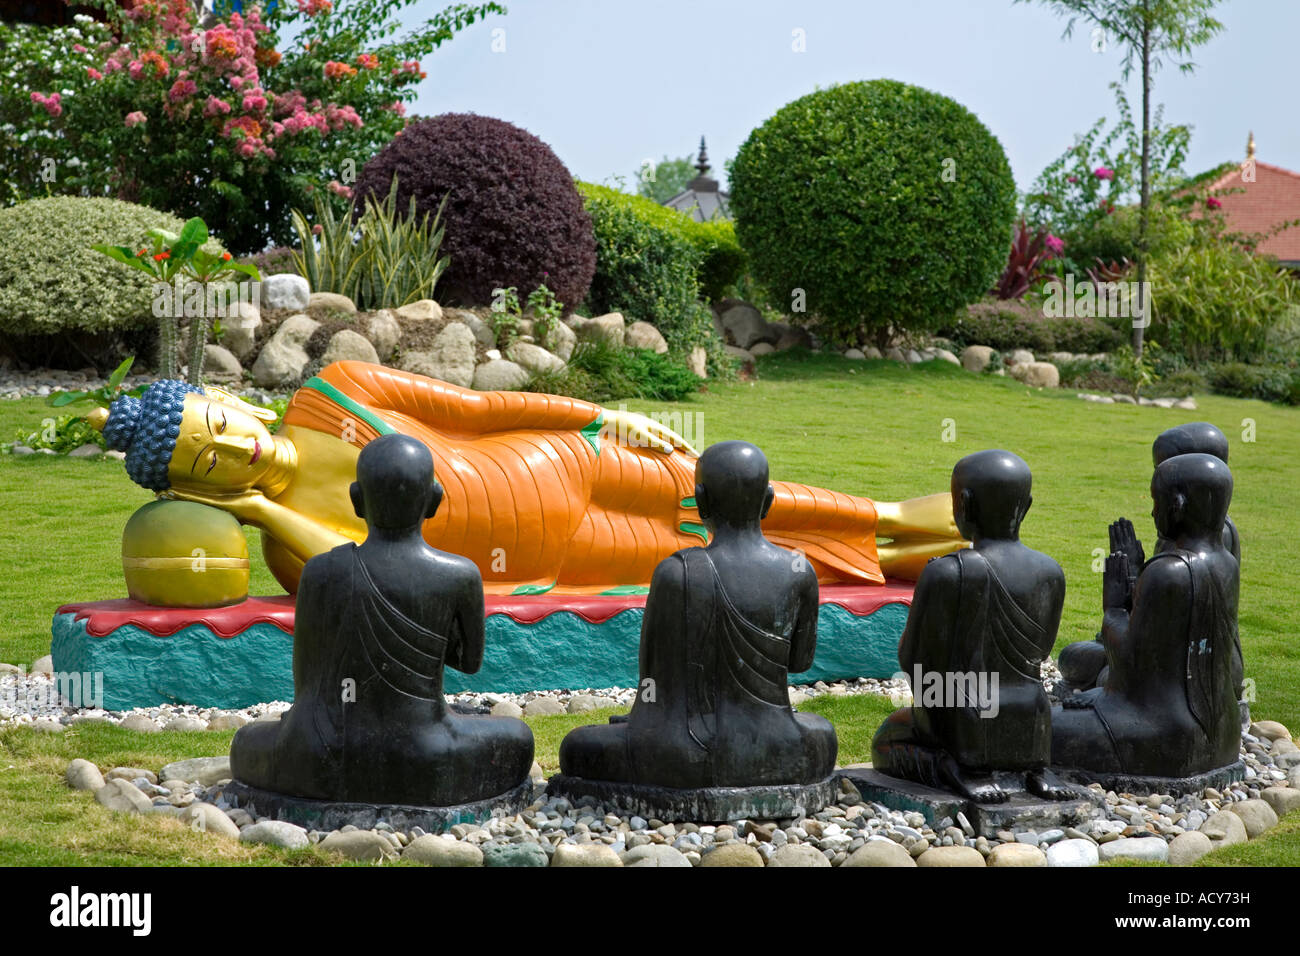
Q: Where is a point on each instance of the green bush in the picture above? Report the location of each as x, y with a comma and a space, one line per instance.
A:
644, 267
1269, 383
653, 262
67, 285
599, 372
722, 260
889, 205
1213, 300
1009, 324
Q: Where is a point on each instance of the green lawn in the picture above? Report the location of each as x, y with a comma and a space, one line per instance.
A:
873, 428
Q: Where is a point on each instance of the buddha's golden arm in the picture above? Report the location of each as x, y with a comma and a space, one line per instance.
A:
300, 535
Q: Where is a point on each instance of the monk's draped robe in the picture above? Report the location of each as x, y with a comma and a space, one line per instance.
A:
530, 477
721, 716
369, 722
989, 634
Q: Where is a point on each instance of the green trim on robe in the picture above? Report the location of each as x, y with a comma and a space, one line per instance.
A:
338, 398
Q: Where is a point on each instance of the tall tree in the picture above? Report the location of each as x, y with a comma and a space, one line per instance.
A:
665, 179
1149, 31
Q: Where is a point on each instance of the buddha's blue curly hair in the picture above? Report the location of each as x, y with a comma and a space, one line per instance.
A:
146, 429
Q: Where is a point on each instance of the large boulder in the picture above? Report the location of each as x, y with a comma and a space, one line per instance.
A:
346, 345
976, 358
332, 301
483, 333
1036, 374
610, 327
285, 291
534, 358
563, 339
284, 355
449, 359
384, 332
239, 328
422, 311
643, 335
219, 365
791, 337
698, 361
744, 325
499, 375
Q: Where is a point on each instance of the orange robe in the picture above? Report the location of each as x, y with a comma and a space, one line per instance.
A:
537, 497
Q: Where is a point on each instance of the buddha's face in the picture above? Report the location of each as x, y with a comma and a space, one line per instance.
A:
219, 447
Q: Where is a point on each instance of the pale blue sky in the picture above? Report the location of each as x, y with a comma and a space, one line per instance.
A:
609, 83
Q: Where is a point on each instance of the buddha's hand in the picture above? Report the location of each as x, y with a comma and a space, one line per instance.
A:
637, 431
247, 506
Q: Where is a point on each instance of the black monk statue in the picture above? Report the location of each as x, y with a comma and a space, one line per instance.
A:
723, 627
1168, 707
1083, 663
375, 624
981, 623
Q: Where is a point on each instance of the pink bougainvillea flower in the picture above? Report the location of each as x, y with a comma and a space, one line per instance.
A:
93, 73
254, 102
78, 48
1071, 179
135, 118
368, 61
1214, 203
182, 89
49, 103
1101, 172
1055, 244
338, 189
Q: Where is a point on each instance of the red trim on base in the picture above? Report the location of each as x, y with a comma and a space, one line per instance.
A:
104, 617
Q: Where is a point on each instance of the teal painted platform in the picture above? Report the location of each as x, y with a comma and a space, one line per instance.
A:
194, 662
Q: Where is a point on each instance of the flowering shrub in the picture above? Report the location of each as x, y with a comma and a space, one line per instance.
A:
215, 119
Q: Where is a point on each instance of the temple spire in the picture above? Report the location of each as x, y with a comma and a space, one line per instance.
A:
1250, 145
702, 164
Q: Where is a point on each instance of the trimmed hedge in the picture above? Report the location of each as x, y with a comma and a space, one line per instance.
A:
889, 205
69, 286
513, 217
1012, 324
646, 267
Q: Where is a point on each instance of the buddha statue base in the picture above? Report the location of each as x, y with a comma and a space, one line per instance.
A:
225, 657
1142, 786
701, 805
237, 656
1022, 810
328, 815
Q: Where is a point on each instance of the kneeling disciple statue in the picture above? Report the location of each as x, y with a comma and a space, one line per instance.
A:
724, 625
1083, 663
1168, 707
981, 623
375, 625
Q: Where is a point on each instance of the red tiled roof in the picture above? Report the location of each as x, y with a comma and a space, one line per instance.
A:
1272, 199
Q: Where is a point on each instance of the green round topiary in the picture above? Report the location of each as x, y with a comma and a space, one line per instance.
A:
67, 285
890, 206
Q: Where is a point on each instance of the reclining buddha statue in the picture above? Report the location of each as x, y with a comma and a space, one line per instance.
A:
550, 493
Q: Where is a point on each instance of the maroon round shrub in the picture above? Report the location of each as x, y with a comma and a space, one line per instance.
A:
513, 216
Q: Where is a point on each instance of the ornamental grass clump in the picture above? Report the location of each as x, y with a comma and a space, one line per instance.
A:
384, 261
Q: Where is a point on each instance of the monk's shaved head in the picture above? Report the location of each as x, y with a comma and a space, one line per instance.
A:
731, 481
1192, 494
990, 494
1193, 438
394, 480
